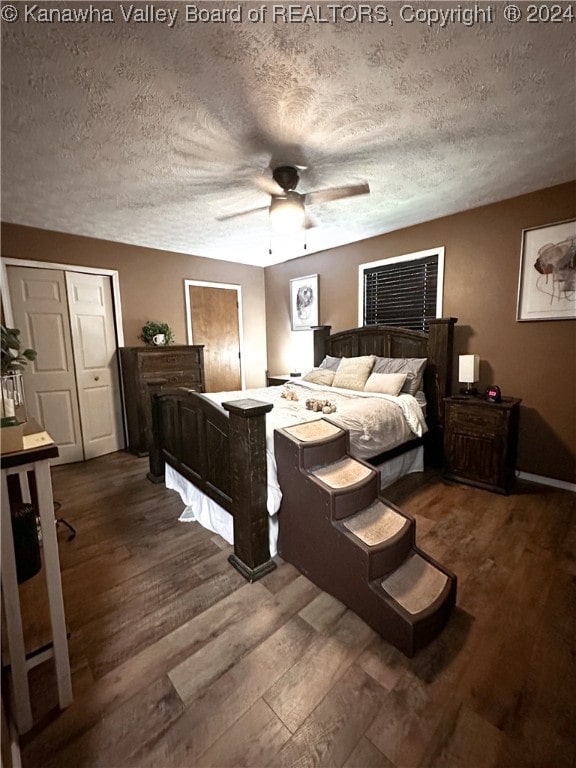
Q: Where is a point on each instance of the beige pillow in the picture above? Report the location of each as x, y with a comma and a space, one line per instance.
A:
353, 372
320, 376
385, 383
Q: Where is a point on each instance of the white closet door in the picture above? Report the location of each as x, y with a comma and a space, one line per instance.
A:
40, 311
94, 343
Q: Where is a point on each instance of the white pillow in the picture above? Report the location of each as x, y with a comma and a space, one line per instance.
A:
385, 383
353, 372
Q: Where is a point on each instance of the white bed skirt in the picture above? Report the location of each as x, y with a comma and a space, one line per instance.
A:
394, 469
213, 517
210, 515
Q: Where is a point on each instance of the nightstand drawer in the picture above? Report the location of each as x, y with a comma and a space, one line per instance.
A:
473, 419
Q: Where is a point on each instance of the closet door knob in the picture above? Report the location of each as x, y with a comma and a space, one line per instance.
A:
96, 378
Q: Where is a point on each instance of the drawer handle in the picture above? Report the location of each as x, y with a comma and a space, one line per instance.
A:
172, 379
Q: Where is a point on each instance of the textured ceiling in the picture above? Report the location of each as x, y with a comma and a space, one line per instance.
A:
146, 132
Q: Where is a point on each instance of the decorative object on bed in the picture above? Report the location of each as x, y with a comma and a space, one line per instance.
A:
469, 373
193, 433
289, 394
304, 302
355, 545
157, 334
547, 281
151, 369
320, 406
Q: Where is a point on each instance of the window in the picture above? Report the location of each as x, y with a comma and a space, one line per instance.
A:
405, 290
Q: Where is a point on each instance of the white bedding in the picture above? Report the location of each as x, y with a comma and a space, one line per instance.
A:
377, 423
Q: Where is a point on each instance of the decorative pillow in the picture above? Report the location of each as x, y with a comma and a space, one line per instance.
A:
413, 367
320, 376
330, 363
385, 383
353, 372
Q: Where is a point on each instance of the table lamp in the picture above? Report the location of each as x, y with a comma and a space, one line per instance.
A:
469, 373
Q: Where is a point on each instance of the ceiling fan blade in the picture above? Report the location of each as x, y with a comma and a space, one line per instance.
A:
336, 193
243, 213
268, 185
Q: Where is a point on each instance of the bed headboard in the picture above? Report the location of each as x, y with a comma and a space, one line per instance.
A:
390, 341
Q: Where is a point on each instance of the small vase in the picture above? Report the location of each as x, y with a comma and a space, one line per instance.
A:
12, 405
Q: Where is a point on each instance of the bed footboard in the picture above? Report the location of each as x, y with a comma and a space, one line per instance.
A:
222, 451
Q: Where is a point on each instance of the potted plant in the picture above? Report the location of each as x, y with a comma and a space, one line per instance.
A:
12, 406
157, 334
14, 358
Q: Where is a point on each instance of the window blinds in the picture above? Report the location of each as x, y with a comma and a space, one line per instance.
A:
401, 293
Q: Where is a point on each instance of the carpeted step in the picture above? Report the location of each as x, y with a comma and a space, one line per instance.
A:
384, 534
343, 474
319, 442
376, 524
310, 431
416, 585
349, 486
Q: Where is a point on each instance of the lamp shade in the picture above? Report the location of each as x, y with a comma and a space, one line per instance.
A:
469, 368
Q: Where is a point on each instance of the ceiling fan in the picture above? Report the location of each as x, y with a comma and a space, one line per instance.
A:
287, 207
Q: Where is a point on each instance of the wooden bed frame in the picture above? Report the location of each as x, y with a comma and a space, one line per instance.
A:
222, 450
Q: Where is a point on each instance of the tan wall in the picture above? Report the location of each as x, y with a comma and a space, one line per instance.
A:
152, 283
535, 361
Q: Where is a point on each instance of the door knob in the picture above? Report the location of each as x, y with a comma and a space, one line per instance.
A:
96, 378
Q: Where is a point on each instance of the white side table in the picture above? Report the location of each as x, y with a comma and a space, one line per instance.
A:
38, 450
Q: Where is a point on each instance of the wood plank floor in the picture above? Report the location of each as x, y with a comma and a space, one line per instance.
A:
177, 661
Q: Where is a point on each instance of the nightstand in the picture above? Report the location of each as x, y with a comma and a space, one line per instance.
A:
480, 442
278, 380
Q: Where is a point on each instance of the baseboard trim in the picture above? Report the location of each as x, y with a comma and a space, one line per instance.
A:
547, 481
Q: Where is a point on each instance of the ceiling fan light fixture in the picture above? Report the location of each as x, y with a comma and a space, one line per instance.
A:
287, 213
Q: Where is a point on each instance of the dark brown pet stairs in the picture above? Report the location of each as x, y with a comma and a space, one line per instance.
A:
352, 543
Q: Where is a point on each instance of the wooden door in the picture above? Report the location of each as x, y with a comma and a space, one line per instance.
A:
214, 320
94, 344
40, 311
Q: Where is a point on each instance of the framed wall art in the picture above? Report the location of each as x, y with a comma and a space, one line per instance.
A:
547, 282
304, 302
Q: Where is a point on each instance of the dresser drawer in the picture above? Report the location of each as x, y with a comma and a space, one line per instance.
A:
190, 379
162, 362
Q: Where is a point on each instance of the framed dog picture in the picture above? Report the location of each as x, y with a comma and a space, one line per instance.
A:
304, 302
547, 283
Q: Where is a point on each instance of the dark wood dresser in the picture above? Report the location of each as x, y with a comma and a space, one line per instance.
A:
480, 442
147, 370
